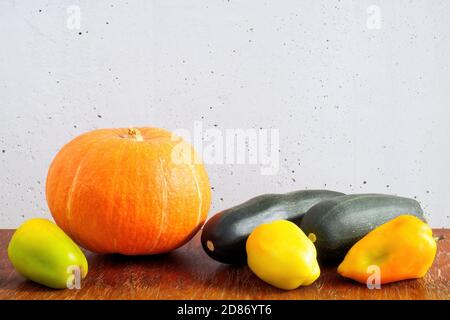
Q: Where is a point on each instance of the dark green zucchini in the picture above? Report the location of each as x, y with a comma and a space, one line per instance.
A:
224, 235
335, 225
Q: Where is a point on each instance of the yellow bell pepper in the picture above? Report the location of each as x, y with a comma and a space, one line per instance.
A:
282, 255
40, 251
402, 248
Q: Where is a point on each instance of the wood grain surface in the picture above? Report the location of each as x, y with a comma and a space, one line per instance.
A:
188, 273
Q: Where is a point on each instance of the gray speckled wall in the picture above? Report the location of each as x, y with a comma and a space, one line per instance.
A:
359, 90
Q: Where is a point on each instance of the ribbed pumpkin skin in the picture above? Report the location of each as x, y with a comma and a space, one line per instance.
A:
115, 192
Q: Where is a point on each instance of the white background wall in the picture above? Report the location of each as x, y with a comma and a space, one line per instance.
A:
352, 104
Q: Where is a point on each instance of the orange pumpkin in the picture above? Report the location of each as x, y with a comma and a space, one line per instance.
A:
128, 191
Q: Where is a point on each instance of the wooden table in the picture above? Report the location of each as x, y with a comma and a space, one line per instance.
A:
188, 273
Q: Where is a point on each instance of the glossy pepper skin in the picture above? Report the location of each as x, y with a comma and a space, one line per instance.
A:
40, 251
282, 255
402, 248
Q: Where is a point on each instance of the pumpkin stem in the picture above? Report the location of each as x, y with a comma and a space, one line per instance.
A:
135, 134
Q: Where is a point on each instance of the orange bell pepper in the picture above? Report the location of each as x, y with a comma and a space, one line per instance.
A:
402, 248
